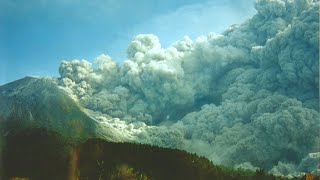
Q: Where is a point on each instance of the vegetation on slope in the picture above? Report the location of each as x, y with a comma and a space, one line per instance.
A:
40, 154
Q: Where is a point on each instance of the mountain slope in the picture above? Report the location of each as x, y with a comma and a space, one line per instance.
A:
39, 102
40, 154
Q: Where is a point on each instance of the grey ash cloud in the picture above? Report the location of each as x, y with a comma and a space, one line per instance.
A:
246, 98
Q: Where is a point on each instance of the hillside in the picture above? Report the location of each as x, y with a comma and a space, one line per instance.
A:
40, 103
41, 154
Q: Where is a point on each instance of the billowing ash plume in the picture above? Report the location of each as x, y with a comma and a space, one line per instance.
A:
247, 98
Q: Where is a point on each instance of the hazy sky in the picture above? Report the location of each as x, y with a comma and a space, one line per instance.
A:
35, 35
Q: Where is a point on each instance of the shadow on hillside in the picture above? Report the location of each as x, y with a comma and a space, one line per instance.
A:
38, 154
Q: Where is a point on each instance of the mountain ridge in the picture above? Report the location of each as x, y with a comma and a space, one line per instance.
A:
40, 102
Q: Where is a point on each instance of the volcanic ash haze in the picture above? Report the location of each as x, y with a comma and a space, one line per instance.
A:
246, 98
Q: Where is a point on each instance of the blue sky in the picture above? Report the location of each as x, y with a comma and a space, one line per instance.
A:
35, 35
